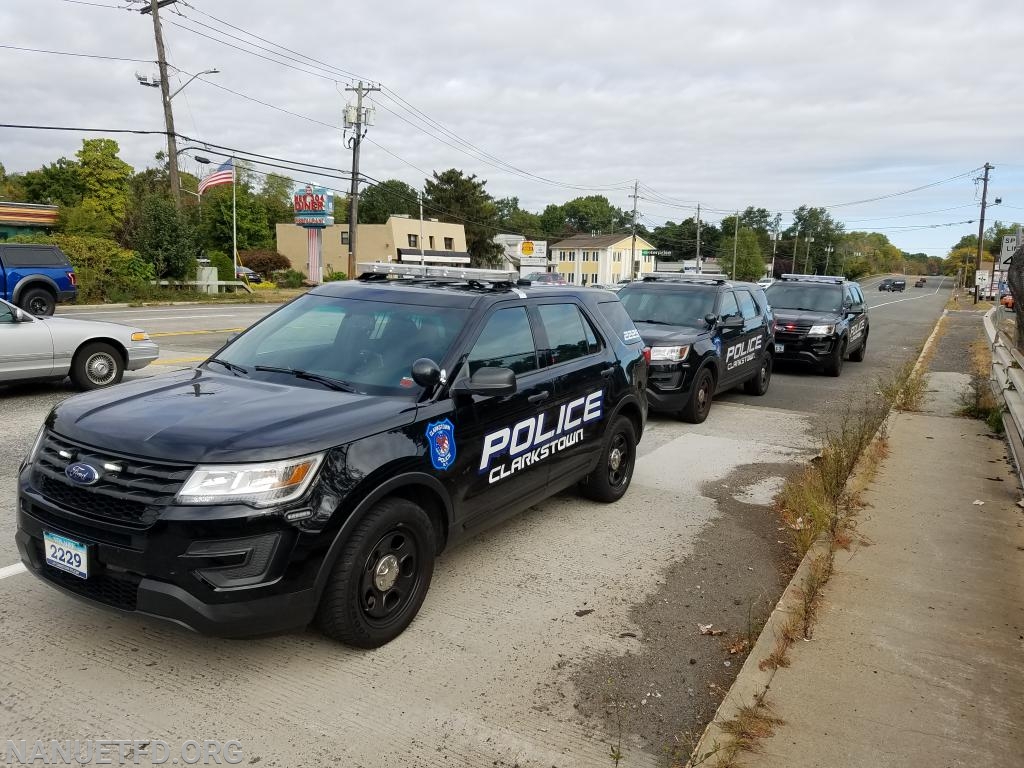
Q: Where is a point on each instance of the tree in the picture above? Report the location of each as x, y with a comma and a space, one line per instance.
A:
553, 223
818, 224
166, 239
749, 260
452, 196
253, 229
594, 213
516, 220
11, 186
388, 197
105, 178
276, 197
59, 183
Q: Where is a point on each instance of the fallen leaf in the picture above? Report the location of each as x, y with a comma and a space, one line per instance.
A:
585, 612
708, 629
979, 503
739, 646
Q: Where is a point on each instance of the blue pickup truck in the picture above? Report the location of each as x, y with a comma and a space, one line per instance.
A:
36, 277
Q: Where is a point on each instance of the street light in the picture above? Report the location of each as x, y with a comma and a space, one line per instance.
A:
198, 74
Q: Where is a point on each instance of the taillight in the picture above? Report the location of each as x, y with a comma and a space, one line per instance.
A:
647, 354
73, 278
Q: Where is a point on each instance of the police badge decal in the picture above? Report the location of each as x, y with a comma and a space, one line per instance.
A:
441, 439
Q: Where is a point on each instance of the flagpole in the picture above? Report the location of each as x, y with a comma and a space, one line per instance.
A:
234, 220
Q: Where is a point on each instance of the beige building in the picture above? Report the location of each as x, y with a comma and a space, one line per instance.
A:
397, 240
601, 259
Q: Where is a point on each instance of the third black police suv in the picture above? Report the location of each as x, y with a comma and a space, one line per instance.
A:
315, 465
820, 319
706, 336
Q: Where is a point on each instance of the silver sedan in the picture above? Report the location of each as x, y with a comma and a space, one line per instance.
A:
94, 354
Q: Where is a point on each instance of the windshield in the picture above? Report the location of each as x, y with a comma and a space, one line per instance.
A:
813, 298
363, 346
668, 307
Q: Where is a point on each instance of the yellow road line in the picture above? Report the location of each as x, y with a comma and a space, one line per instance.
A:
194, 333
178, 360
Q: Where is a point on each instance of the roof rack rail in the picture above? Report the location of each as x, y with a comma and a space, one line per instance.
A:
686, 277
367, 270
816, 278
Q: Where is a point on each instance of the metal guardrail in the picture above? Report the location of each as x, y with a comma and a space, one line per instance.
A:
1007, 379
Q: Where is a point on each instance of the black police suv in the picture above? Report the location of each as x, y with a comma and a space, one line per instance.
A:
316, 464
706, 335
820, 319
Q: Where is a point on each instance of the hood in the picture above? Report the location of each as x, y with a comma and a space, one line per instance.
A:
92, 327
198, 415
804, 316
668, 335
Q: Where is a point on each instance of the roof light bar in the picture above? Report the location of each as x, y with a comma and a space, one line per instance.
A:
686, 277
817, 278
430, 270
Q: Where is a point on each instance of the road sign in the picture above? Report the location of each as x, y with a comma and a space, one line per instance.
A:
981, 277
1009, 246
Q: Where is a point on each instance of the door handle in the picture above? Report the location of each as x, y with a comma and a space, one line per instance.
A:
540, 397
608, 372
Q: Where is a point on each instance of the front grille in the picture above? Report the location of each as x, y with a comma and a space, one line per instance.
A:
132, 494
798, 329
120, 590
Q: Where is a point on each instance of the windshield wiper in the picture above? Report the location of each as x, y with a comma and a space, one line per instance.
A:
654, 322
327, 381
233, 367
801, 309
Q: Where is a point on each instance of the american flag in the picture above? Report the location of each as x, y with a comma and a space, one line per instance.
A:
225, 174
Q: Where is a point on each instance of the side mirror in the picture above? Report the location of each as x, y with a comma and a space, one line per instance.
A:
733, 321
711, 319
20, 316
491, 382
426, 373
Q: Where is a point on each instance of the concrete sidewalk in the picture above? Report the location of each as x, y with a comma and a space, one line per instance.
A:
917, 657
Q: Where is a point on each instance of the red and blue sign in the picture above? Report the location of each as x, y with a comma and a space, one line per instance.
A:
313, 206
441, 441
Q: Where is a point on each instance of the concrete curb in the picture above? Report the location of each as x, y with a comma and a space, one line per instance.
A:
144, 304
752, 683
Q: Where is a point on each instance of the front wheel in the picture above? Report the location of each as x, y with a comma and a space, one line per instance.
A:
758, 383
699, 404
862, 350
97, 365
610, 479
834, 366
381, 577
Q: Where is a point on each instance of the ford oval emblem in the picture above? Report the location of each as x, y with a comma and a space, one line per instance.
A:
81, 473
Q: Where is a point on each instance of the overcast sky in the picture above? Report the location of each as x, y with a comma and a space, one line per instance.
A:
732, 103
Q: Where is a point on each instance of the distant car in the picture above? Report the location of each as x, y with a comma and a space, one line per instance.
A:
548, 278
898, 285
249, 275
885, 285
919, 284
36, 277
923, 279
764, 282
94, 354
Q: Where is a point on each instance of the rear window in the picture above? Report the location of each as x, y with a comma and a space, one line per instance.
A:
33, 256
569, 333
620, 320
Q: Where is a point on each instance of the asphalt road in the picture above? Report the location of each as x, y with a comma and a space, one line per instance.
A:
487, 674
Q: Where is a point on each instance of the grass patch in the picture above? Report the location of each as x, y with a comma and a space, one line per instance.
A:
977, 401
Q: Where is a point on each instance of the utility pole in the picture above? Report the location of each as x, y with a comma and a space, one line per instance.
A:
355, 122
165, 94
775, 245
735, 242
699, 269
807, 256
828, 254
981, 226
796, 242
632, 247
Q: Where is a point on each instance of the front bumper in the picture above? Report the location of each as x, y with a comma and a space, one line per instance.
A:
214, 570
805, 349
668, 385
141, 354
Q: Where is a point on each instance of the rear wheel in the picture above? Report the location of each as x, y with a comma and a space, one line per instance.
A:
97, 365
699, 404
834, 366
862, 350
39, 302
758, 383
610, 479
381, 577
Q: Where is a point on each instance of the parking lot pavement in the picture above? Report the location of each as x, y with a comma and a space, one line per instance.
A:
484, 675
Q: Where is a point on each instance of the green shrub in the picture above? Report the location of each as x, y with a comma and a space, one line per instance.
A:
225, 267
264, 261
290, 278
332, 276
266, 285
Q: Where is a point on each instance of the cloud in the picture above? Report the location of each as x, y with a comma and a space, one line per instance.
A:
734, 104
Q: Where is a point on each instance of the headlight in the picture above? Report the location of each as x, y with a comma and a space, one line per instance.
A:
258, 485
140, 336
821, 330
36, 445
672, 354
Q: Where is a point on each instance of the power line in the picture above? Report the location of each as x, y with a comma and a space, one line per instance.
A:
77, 55
904, 192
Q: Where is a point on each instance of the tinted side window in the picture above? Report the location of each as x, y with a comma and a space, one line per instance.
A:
620, 320
6, 314
569, 333
728, 306
748, 308
506, 342
34, 256
858, 297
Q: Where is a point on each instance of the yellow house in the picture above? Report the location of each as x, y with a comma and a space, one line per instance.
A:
601, 259
399, 237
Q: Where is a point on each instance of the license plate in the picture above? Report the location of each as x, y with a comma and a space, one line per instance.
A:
66, 554
780, 347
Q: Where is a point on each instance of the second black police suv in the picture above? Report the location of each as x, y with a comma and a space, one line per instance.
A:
706, 335
820, 319
315, 465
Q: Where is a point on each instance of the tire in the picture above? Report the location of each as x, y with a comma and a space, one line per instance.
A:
701, 394
96, 365
862, 350
39, 302
758, 383
610, 479
834, 366
381, 577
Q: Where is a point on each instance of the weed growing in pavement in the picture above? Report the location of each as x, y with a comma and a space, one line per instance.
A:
977, 400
